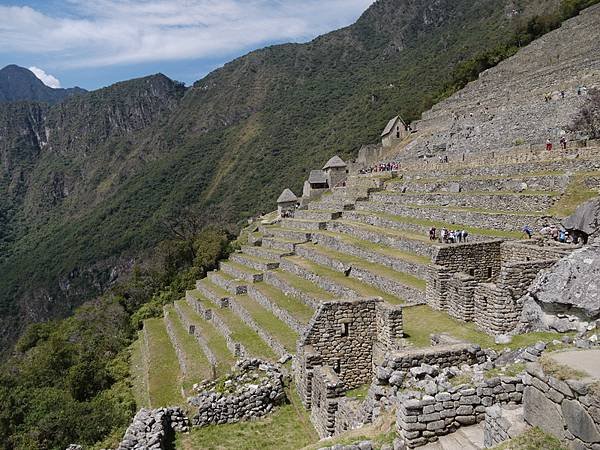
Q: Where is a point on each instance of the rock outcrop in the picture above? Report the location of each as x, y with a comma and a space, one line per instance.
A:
586, 219
154, 429
564, 297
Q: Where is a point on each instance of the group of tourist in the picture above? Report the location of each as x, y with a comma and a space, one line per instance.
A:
552, 232
563, 143
448, 236
549, 96
382, 167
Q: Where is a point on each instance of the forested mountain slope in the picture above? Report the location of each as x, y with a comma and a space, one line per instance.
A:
20, 84
86, 185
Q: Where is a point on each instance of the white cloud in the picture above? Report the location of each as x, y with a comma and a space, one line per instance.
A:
46, 78
107, 32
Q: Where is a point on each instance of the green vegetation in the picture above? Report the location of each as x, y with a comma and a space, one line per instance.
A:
575, 195
71, 380
304, 285
534, 439
270, 323
509, 371
296, 307
422, 321
163, 369
359, 393
288, 428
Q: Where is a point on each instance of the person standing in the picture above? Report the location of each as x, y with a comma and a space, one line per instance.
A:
548, 145
563, 142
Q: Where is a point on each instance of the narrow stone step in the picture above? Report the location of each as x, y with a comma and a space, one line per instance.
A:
207, 337
255, 262
196, 365
488, 219
516, 202
404, 241
411, 263
287, 234
265, 253
240, 272
228, 283
304, 224
421, 226
291, 310
272, 330
293, 285
310, 214
301, 268
219, 296
404, 287
280, 244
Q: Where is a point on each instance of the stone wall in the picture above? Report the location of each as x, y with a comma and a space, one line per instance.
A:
423, 418
327, 390
390, 325
212, 359
502, 424
569, 410
251, 391
154, 429
532, 250
281, 313
460, 300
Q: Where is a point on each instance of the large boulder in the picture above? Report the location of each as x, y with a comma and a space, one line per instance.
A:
566, 296
586, 218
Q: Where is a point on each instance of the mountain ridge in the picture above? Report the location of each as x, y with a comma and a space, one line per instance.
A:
20, 84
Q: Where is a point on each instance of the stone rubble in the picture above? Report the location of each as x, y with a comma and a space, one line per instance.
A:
154, 429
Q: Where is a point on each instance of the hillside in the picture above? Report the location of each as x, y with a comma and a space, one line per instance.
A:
87, 184
20, 84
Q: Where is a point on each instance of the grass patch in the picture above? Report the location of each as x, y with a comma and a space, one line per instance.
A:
378, 269
463, 378
439, 225
360, 393
422, 321
387, 231
576, 194
297, 308
241, 268
196, 362
509, 371
137, 368
559, 371
163, 367
270, 323
350, 283
218, 290
304, 285
288, 428
534, 439
213, 337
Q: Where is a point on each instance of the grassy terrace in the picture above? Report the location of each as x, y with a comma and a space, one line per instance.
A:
258, 259
297, 308
479, 210
196, 362
387, 232
422, 321
163, 367
244, 269
137, 369
270, 323
377, 248
386, 272
213, 337
288, 428
218, 290
480, 177
438, 224
240, 332
526, 193
304, 285
357, 286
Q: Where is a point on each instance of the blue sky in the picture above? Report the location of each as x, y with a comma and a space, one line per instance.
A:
94, 43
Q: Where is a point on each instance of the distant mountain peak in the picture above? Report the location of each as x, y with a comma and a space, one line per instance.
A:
20, 84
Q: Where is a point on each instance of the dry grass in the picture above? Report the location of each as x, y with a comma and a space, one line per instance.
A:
559, 371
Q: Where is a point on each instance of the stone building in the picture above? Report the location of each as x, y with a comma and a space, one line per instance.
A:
336, 171
483, 282
395, 131
335, 354
286, 203
316, 184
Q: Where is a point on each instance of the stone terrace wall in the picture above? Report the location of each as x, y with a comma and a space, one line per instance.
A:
568, 410
423, 419
327, 390
460, 299
532, 251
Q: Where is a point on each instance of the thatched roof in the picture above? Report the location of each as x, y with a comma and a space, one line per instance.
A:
335, 163
287, 196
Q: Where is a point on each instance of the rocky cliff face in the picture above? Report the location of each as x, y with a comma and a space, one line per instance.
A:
89, 180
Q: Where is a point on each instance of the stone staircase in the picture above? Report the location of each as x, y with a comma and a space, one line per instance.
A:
466, 438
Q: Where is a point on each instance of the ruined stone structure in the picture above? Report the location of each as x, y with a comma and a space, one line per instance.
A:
395, 131
484, 282
335, 354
